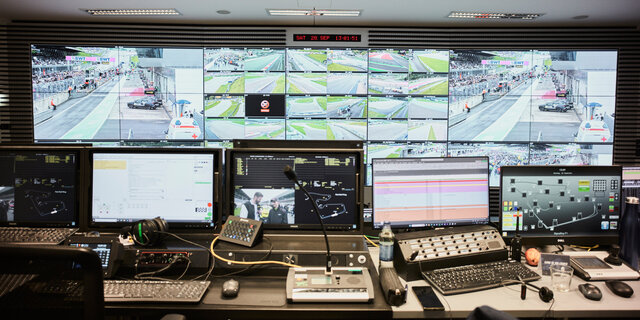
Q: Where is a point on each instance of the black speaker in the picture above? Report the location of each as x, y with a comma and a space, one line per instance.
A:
147, 232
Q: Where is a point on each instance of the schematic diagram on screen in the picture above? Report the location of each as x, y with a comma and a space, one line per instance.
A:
559, 204
44, 203
327, 208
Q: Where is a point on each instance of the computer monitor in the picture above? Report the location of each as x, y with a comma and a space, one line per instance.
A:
630, 184
561, 204
430, 192
178, 185
39, 186
257, 187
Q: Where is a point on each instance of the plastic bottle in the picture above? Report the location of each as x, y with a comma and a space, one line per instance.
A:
386, 246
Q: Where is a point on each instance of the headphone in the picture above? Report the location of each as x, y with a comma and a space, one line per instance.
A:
147, 232
544, 293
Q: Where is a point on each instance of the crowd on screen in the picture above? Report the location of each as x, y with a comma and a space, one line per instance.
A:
498, 157
469, 85
563, 157
432, 150
45, 84
463, 65
461, 84
47, 61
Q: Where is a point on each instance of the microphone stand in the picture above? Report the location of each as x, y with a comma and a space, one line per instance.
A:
288, 171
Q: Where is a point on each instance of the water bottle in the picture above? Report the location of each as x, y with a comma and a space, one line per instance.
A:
628, 234
386, 246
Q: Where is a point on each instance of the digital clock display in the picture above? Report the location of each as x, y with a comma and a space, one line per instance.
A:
328, 37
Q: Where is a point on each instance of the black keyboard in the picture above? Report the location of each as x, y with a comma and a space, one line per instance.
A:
477, 277
9, 282
35, 236
154, 291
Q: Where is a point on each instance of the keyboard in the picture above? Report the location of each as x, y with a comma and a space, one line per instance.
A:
154, 291
35, 236
477, 277
9, 282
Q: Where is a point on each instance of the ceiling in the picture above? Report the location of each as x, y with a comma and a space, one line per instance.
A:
375, 13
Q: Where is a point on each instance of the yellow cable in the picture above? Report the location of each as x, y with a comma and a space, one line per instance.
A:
373, 243
585, 247
248, 262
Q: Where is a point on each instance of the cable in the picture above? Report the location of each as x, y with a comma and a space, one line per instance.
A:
251, 266
373, 243
248, 262
183, 239
212, 259
533, 288
586, 247
546, 314
150, 275
560, 248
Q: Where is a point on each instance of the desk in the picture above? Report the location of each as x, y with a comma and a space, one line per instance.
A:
567, 304
262, 295
262, 292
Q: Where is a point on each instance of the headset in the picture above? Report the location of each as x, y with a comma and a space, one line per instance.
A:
544, 293
147, 232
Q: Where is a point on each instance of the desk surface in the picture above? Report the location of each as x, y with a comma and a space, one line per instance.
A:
263, 296
567, 304
262, 293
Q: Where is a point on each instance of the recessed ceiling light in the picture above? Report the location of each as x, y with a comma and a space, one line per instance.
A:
314, 12
581, 17
223, 11
485, 15
133, 12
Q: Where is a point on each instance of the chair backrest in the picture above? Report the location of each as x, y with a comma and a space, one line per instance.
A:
45, 280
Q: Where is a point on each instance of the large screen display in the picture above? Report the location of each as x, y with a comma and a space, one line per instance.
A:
516, 107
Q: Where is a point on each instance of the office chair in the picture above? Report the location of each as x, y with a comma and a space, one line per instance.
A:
46, 281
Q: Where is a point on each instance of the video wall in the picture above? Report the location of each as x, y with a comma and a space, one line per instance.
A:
517, 107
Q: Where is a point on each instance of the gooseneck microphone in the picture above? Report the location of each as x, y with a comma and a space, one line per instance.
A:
291, 175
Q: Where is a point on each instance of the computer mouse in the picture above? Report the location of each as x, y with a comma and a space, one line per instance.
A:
619, 288
590, 291
230, 288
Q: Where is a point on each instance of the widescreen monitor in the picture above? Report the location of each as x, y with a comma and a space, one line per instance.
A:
631, 177
630, 184
39, 186
258, 189
430, 192
561, 204
178, 185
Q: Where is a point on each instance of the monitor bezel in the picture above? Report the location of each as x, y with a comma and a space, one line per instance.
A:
217, 187
551, 239
79, 150
406, 227
229, 194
